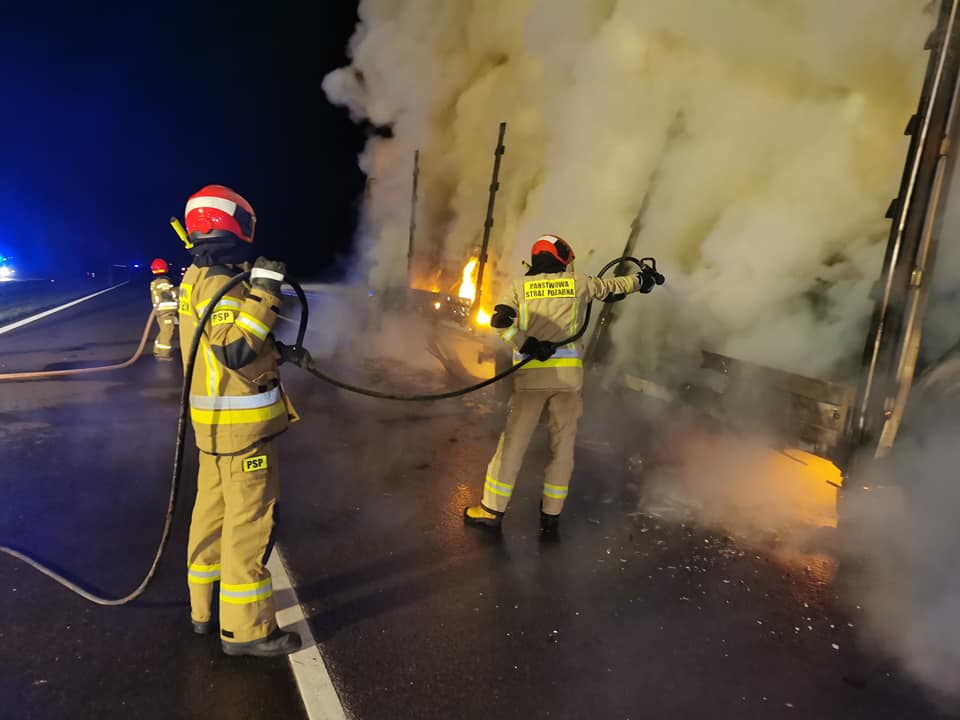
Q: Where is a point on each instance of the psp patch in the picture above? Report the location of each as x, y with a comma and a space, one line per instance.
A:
547, 289
255, 463
221, 317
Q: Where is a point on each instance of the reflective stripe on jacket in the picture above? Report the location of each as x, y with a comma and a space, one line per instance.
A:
163, 294
551, 306
235, 396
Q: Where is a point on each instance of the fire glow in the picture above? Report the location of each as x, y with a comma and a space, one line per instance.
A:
468, 289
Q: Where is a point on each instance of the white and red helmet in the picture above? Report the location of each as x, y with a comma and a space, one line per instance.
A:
217, 211
554, 245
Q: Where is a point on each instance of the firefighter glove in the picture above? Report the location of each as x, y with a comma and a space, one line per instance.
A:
267, 275
503, 316
299, 356
648, 278
540, 349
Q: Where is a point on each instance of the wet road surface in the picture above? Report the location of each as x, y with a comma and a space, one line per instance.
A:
627, 616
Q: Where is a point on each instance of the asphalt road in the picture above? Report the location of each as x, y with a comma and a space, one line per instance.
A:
627, 616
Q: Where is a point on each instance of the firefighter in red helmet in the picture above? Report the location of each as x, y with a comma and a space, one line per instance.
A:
545, 307
238, 408
163, 294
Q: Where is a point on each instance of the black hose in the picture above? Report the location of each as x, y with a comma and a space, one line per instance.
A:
480, 385
177, 461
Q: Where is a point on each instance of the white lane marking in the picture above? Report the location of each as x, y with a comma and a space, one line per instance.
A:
51, 311
316, 689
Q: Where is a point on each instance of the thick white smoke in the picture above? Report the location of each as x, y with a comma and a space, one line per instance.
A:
765, 136
752, 146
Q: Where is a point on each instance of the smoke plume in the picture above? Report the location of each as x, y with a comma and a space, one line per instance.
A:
752, 146
763, 139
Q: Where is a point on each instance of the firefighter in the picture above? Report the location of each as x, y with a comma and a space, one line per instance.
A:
238, 408
545, 307
163, 293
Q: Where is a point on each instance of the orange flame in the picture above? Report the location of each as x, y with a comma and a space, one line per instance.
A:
468, 288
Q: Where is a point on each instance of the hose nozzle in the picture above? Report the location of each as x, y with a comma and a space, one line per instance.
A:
650, 275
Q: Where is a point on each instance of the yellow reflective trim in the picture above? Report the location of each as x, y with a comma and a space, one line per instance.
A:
238, 417
555, 491
203, 574
245, 600
213, 377
193, 580
498, 488
224, 303
553, 363
253, 325
509, 333
246, 593
243, 587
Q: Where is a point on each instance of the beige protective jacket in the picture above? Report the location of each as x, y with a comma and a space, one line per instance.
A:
236, 399
551, 306
163, 293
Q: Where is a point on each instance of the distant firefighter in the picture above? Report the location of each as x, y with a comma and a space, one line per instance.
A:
238, 409
544, 308
163, 293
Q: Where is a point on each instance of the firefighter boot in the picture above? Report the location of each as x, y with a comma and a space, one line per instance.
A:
206, 627
549, 526
480, 516
279, 642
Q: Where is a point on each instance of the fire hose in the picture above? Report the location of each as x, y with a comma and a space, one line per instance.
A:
647, 266
48, 374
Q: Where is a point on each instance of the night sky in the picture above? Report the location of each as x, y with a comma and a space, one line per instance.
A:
113, 114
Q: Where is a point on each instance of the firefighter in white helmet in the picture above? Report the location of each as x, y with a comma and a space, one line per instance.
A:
163, 294
545, 307
238, 409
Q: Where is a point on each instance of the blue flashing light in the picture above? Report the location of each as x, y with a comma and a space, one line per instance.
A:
136, 266
369, 293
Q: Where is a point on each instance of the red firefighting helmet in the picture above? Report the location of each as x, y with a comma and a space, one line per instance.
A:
158, 266
556, 246
215, 211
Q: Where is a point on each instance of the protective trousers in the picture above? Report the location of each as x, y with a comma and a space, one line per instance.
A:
163, 345
231, 536
564, 408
